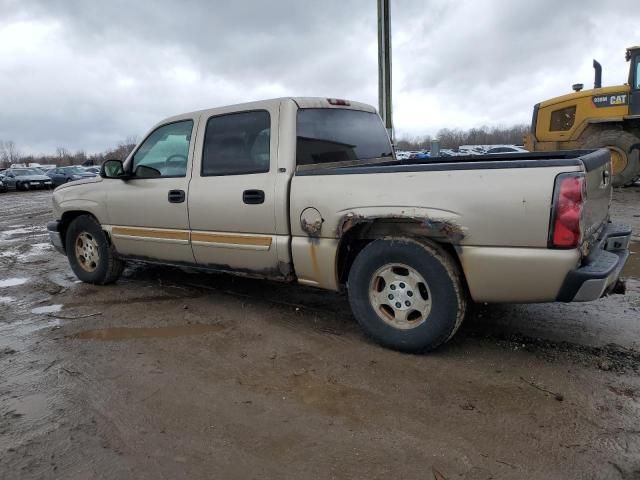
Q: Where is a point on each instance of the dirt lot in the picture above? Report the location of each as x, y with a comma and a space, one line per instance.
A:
177, 374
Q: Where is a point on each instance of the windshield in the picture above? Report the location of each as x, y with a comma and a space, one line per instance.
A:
336, 135
22, 172
74, 170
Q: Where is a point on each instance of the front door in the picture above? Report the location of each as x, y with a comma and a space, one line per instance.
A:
148, 213
232, 197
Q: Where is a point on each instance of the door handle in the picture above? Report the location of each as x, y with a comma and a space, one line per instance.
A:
176, 196
253, 197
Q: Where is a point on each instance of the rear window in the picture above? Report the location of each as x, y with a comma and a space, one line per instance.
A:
334, 135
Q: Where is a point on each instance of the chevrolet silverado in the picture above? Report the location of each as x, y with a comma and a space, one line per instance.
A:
308, 190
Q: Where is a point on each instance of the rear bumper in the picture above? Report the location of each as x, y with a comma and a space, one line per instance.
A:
53, 228
601, 269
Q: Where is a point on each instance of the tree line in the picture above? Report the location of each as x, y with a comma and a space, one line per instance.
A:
11, 154
449, 138
453, 138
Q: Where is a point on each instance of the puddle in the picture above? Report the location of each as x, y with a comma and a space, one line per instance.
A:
12, 282
632, 267
125, 333
7, 300
47, 309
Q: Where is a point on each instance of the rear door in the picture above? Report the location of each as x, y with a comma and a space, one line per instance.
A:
148, 214
232, 198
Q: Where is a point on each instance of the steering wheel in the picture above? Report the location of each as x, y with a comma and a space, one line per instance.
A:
170, 159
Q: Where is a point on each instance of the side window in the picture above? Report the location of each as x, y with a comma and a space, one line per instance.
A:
165, 152
237, 143
637, 73
563, 119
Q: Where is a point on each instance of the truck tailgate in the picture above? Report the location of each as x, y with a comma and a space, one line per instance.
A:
599, 188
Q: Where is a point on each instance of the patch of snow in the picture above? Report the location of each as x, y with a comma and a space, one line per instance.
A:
6, 300
22, 230
12, 282
47, 309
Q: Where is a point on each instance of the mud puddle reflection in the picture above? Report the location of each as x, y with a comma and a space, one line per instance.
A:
125, 333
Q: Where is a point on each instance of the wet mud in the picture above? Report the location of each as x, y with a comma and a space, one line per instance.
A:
172, 373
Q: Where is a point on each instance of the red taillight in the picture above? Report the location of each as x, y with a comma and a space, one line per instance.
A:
338, 102
567, 213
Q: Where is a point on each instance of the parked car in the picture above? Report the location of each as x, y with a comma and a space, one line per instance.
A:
62, 175
307, 190
3, 187
419, 155
94, 169
25, 179
506, 149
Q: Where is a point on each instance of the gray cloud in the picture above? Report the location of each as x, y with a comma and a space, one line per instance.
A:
87, 74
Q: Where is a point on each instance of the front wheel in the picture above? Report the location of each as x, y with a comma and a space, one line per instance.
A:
92, 258
406, 295
22, 186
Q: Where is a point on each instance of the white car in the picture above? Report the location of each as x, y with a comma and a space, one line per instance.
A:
506, 149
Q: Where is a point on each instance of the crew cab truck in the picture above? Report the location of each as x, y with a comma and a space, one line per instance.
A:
308, 191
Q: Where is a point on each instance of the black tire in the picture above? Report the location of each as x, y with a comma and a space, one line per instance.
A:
623, 143
445, 291
22, 186
107, 267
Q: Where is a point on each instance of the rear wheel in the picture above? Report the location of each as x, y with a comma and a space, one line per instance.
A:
625, 154
92, 258
407, 295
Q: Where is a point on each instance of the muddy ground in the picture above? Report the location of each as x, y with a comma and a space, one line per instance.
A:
178, 374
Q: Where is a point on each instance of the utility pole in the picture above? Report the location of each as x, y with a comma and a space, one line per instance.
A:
384, 66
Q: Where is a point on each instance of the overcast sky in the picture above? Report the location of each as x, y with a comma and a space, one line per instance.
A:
86, 74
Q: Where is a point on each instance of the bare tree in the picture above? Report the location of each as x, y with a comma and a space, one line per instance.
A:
453, 138
9, 153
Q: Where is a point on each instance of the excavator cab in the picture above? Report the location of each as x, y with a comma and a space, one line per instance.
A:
633, 56
602, 117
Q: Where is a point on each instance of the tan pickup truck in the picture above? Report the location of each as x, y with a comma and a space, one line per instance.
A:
308, 190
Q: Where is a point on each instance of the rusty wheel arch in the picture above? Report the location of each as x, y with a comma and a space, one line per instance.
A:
356, 232
70, 216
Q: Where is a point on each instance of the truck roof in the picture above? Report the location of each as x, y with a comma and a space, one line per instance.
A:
301, 102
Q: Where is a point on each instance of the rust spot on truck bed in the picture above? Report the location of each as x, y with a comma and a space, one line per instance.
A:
431, 227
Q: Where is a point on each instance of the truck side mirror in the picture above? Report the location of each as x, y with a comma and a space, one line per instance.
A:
113, 169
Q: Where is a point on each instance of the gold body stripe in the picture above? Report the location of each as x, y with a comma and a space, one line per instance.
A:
151, 233
185, 235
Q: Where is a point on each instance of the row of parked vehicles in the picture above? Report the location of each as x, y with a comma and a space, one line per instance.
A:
462, 151
42, 177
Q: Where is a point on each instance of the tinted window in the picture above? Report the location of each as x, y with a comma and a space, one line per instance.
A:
73, 169
165, 152
26, 171
563, 119
237, 144
638, 74
334, 135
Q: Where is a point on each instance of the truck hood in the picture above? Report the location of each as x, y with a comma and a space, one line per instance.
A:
89, 179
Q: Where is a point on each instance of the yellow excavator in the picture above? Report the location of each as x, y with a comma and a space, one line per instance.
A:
587, 119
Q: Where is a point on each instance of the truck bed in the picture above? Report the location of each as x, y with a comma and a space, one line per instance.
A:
591, 159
